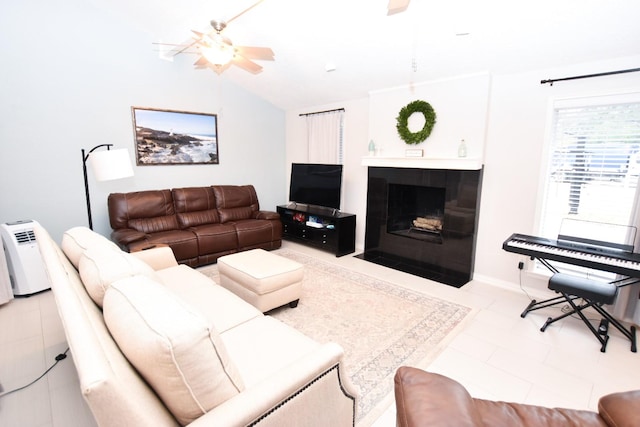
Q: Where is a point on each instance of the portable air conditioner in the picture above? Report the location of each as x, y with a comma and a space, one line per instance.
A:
6, 293
26, 269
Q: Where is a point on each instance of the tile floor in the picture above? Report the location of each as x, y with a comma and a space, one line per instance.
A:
496, 355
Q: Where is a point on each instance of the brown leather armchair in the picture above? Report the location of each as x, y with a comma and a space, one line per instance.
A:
429, 399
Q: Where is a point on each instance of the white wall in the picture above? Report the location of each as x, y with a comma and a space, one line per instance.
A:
460, 104
504, 118
70, 74
519, 114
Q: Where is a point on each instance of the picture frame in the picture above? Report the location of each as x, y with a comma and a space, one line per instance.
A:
172, 137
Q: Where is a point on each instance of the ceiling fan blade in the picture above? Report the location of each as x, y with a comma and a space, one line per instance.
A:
185, 45
397, 6
170, 54
255, 52
246, 64
169, 44
238, 60
244, 11
201, 62
179, 47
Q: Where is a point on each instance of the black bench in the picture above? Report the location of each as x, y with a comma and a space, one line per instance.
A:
594, 294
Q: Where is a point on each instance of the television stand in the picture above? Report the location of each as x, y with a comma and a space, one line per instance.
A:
322, 210
324, 228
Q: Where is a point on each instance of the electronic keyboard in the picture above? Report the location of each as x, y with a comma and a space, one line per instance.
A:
598, 257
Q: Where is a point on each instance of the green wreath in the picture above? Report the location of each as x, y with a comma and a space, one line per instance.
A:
403, 117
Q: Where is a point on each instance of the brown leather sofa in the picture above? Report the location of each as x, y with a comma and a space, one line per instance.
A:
200, 224
428, 399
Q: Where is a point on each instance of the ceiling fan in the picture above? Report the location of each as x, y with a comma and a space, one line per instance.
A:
218, 53
397, 6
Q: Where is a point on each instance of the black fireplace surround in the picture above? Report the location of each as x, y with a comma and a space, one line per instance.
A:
423, 221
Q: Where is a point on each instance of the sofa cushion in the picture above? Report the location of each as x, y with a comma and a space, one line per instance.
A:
216, 238
195, 206
177, 352
145, 211
76, 240
236, 202
620, 409
100, 267
264, 345
183, 243
252, 233
216, 304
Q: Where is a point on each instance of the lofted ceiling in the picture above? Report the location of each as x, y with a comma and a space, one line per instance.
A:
369, 50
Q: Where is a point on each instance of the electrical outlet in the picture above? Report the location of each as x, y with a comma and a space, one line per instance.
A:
520, 265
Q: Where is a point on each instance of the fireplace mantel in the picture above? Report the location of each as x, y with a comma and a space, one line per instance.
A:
455, 163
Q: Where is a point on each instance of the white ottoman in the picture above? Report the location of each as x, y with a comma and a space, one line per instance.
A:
263, 279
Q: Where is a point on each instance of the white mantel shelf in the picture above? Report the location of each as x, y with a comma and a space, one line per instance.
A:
459, 163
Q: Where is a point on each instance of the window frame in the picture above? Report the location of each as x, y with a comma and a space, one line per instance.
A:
554, 105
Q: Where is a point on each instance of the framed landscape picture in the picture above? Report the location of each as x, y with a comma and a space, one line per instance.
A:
168, 137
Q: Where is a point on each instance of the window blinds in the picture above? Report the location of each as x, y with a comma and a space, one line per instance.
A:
594, 164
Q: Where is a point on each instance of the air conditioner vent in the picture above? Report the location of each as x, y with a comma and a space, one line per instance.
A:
25, 236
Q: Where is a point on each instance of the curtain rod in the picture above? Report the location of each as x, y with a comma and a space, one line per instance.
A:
551, 81
320, 112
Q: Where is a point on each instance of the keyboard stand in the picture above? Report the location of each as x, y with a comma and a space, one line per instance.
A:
593, 294
536, 305
598, 255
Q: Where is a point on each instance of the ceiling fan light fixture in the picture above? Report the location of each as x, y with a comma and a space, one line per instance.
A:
218, 51
218, 55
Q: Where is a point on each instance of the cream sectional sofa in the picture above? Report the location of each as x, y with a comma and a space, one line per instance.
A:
159, 344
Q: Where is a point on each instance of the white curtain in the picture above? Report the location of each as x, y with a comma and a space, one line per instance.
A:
324, 136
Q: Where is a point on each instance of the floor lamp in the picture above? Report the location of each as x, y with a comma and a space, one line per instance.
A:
107, 165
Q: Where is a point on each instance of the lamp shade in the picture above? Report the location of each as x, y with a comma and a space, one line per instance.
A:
111, 164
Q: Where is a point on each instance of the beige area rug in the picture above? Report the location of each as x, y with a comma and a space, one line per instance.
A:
381, 326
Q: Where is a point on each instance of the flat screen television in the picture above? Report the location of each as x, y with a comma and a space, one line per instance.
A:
316, 184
